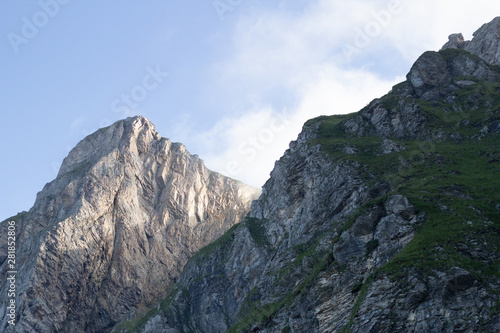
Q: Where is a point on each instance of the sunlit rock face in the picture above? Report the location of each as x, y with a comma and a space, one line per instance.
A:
113, 231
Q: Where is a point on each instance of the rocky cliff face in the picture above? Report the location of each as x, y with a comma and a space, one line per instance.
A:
485, 44
385, 220
114, 230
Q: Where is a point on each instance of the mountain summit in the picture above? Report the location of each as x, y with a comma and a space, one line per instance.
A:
113, 231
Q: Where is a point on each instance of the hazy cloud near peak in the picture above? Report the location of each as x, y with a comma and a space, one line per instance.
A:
245, 147
299, 54
302, 54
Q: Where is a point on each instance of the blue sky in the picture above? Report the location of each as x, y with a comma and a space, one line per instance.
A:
234, 80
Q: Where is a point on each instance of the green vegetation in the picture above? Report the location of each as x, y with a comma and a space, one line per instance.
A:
363, 291
457, 187
371, 246
257, 230
263, 314
454, 182
390, 101
18, 218
253, 312
142, 317
472, 108
137, 322
356, 287
450, 55
400, 86
330, 127
218, 244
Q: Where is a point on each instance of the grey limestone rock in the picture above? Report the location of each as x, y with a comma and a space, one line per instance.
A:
438, 69
389, 146
485, 42
455, 41
115, 229
451, 301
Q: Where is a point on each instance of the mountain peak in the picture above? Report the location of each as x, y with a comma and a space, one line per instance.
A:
134, 133
126, 211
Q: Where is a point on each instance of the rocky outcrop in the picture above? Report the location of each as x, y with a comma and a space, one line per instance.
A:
114, 230
458, 62
455, 41
451, 301
485, 42
300, 258
316, 240
438, 70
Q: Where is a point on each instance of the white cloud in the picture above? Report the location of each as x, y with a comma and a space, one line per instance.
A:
303, 55
250, 144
